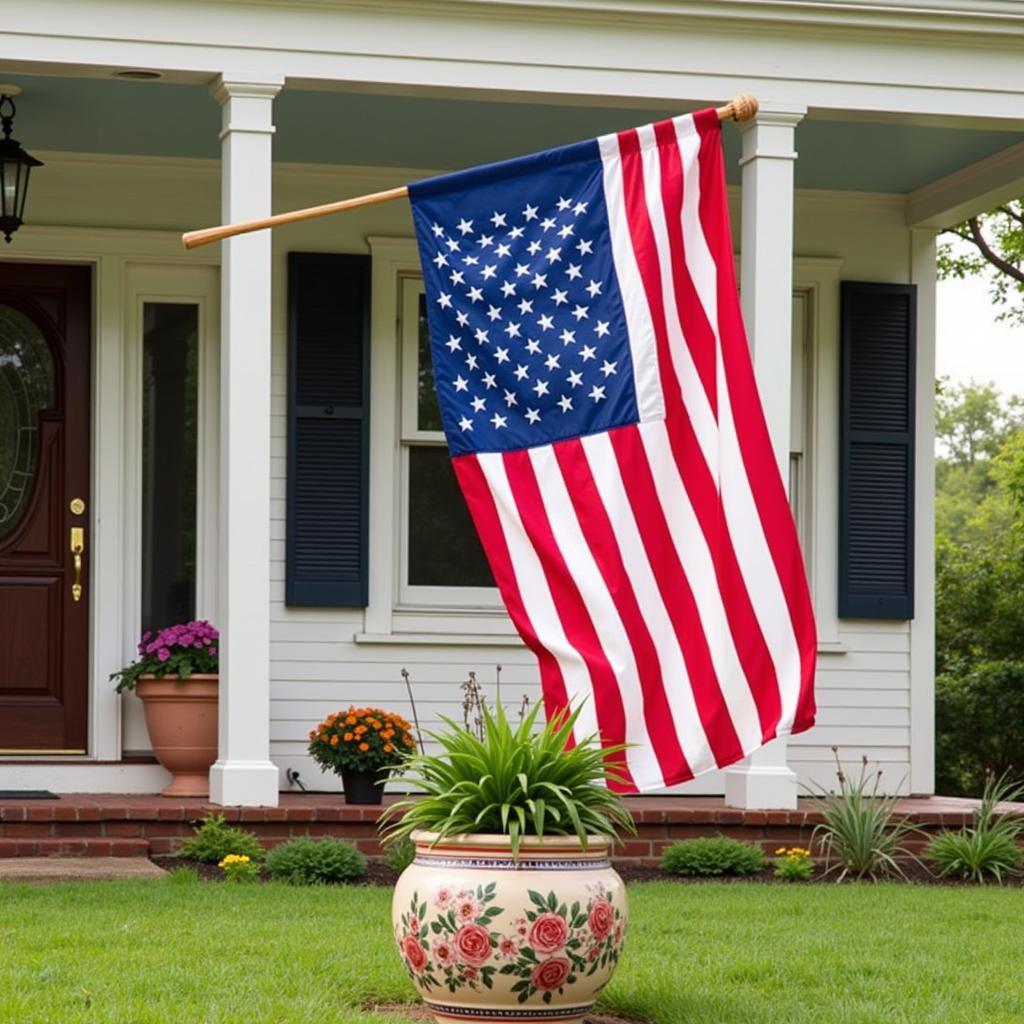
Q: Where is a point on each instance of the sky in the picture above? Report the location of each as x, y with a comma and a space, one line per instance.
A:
971, 343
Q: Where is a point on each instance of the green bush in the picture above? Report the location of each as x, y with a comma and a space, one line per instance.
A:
399, 855
988, 848
214, 839
717, 856
794, 864
315, 862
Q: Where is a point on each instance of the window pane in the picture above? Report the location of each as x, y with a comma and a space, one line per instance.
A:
169, 436
443, 547
428, 415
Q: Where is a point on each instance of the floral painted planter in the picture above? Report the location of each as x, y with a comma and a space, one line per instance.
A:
486, 938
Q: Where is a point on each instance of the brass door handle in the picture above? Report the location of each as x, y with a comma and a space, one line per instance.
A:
77, 547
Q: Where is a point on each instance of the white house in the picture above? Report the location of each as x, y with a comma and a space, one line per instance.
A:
247, 426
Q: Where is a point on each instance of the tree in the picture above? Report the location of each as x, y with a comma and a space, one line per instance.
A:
993, 244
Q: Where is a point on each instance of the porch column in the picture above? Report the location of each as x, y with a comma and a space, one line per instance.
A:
244, 773
764, 780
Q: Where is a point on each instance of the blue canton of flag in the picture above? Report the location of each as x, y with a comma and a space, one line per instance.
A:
527, 328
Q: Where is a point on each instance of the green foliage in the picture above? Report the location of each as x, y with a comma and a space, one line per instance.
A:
214, 839
315, 862
182, 875
240, 869
400, 854
793, 865
860, 831
178, 650
990, 846
713, 856
513, 781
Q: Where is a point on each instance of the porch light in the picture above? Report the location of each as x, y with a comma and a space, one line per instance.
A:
15, 166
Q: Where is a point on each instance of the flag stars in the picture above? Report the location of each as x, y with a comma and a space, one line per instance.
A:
565, 403
481, 336
541, 388
490, 381
579, 208
502, 249
453, 343
510, 398
554, 255
568, 337
463, 318
438, 230
489, 272
596, 393
521, 372
522, 270
485, 240
471, 361
453, 246
516, 232
498, 220
580, 312
533, 415
501, 354
508, 288
594, 289
533, 347
493, 313
440, 260
465, 226
461, 384
601, 329
585, 248
548, 223
573, 271
525, 306
534, 247
575, 379
530, 213
563, 203
475, 295
479, 404
470, 261
559, 297
444, 300
457, 277
566, 230
551, 362
540, 280
609, 368
465, 424
545, 323
499, 421
512, 330
587, 353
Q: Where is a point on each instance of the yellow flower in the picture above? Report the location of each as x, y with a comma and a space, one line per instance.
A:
780, 852
233, 858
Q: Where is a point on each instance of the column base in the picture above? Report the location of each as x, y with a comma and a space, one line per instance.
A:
244, 783
761, 788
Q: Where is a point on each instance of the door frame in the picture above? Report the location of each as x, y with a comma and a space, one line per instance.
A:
113, 619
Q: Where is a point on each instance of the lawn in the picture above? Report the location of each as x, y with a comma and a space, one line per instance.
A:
201, 953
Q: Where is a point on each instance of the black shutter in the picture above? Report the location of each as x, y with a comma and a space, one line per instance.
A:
328, 429
876, 459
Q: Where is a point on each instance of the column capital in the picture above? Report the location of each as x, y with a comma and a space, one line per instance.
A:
231, 84
769, 134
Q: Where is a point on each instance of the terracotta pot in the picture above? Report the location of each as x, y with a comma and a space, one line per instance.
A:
486, 938
361, 787
182, 721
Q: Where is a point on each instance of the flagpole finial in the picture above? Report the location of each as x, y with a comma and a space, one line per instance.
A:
741, 108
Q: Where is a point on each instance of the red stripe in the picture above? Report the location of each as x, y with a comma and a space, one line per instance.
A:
572, 611
600, 536
748, 639
676, 594
752, 431
484, 512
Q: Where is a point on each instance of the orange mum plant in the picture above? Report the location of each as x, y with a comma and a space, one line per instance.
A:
361, 739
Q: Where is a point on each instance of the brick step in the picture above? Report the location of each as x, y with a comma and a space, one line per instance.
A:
82, 846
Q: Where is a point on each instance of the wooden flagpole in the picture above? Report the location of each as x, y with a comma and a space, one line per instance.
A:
741, 108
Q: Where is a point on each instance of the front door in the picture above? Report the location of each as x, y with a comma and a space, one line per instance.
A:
44, 507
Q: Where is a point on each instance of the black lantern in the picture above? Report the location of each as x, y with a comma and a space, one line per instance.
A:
15, 165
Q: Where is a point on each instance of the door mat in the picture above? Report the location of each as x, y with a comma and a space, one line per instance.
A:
27, 794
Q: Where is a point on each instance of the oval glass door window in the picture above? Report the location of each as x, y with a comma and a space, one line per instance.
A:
26, 390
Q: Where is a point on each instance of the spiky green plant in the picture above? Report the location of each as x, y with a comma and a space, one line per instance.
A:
989, 847
518, 782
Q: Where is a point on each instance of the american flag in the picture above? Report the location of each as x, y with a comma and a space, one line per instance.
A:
600, 408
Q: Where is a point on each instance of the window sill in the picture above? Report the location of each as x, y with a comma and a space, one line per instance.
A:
441, 639
832, 647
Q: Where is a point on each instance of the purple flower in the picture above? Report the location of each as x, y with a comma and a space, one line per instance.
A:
163, 654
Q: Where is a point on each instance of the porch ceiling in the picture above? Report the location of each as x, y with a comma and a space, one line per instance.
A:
177, 120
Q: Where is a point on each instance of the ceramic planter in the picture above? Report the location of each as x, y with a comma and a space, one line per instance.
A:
487, 938
181, 717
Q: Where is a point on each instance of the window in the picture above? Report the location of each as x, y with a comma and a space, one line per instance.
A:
441, 560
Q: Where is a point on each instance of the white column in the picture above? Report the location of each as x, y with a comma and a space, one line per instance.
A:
764, 780
244, 773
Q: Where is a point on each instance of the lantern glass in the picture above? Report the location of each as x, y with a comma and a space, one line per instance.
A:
15, 166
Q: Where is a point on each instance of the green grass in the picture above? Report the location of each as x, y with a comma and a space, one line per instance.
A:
165, 953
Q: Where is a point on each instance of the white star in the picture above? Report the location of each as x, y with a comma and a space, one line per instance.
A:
540, 280
471, 361
573, 271
575, 379
438, 230
522, 270
541, 387
501, 354
545, 323
498, 220
532, 415
526, 306
489, 381
516, 232
481, 336
533, 347
566, 403
548, 223
521, 371
563, 203
457, 277
551, 362
489, 272
494, 313
558, 297
465, 226
585, 248
596, 393
602, 328
479, 404
609, 368
530, 213
580, 312
568, 337
453, 342
461, 384
508, 288
453, 246
466, 423
565, 231
501, 250
444, 300
470, 261
485, 240
475, 295
499, 421
440, 260
594, 288
554, 256
510, 398
534, 247
463, 318
587, 353
579, 208
512, 330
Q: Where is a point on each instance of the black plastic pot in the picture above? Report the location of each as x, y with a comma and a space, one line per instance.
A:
362, 787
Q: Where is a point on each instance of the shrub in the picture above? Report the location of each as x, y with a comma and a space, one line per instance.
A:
238, 868
214, 839
399, 855
794, 864
990, 847
314, 862
860, 829
717, 856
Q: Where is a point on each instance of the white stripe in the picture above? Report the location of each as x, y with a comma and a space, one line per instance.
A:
749, 542
618, 651
693, 553
536, 596
642, 342
695, 399
686, 721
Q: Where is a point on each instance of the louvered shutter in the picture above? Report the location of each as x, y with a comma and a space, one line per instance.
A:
876, 467
328, 428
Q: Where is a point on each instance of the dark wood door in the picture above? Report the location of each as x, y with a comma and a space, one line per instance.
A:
44, 497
